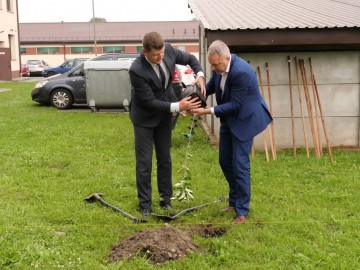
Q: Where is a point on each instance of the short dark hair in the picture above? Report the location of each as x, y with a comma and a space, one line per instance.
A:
152, 40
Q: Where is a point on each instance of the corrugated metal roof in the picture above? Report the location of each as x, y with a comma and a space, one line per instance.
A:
276, 14
107, 31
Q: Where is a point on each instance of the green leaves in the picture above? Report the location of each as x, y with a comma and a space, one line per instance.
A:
182, 188
183, 191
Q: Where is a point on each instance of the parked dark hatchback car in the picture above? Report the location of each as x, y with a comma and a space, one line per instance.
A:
64, 67
64, 90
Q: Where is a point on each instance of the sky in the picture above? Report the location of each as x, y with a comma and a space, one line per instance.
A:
111, 10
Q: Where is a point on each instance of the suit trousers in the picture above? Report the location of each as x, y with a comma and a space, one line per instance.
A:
234, 161
145, 139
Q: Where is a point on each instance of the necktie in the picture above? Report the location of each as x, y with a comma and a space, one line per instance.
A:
162, 75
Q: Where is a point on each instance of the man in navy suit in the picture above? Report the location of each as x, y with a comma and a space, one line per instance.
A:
152, 103
243, 114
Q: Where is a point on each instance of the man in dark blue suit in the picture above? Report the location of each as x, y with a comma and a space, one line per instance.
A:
152, 103
243, 114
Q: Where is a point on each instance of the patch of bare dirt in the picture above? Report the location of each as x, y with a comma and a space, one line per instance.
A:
159, 245
208, 230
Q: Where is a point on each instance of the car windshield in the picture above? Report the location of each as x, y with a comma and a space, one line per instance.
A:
79, 61
76, 71
68, 63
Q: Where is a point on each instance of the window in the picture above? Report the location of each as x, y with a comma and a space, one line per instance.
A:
114, 49
22, 50
47, 50
79, 50
9, 5
13, 48
139, 49
33, 62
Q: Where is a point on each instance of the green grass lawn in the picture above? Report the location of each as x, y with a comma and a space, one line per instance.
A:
305, 212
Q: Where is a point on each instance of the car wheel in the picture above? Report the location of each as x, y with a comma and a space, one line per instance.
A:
61, 99
50, 73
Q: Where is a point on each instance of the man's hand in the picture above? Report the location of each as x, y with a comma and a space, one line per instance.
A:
201, 81
200, 111
187, 104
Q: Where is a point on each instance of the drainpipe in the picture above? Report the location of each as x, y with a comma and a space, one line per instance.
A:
18, 33
94, 28
208, 71
64, 52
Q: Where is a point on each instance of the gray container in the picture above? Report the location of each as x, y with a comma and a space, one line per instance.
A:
108, 84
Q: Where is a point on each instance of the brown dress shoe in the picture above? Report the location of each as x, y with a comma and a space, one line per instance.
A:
228, 209
239, 220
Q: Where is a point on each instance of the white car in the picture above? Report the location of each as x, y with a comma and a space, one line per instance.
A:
37, 66
187, 74
183, 77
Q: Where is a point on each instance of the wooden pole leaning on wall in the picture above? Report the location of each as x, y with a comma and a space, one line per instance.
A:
323, 121
263, 133
301, 108
292, 108
272, 125
309, 106
313, 119
316, 109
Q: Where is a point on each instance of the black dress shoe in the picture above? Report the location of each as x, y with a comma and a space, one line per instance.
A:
166, 205
146, 212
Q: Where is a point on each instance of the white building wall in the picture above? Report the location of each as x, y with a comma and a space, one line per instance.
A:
9, 27
337, 76
55, 60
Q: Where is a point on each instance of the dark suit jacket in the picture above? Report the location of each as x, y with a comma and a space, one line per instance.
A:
150, 101
241, 106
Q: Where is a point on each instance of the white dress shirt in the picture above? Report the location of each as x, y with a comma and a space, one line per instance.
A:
174, 106
222, 82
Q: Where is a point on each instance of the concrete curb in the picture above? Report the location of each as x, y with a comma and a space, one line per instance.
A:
24, 79
27, 79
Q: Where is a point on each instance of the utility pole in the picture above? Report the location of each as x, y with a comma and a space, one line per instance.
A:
94, 27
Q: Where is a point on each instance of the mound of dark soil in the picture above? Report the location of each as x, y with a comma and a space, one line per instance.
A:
159, 245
